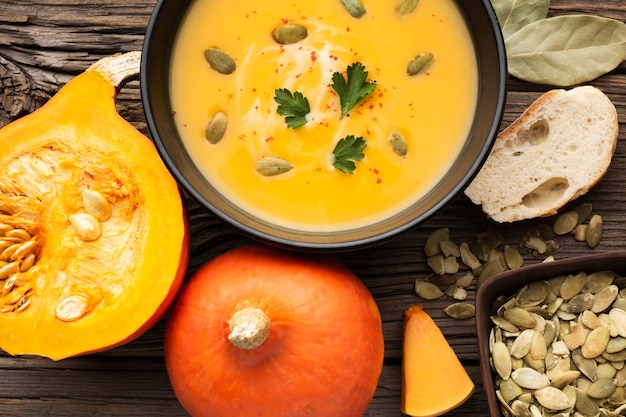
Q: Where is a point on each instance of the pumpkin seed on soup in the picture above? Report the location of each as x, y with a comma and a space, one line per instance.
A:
420, 63
398, 143
405, 7
217, 127
289, 33
220, 61
354, 7
271, 165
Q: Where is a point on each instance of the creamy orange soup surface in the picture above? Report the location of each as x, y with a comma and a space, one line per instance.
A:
433, 110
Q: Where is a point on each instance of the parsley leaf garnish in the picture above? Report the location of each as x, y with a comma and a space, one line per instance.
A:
294, 107
348, 150
355, 89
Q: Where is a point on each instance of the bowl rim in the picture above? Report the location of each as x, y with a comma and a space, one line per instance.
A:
508, 282
322, 241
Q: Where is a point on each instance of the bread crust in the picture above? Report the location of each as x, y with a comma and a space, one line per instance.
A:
556, 151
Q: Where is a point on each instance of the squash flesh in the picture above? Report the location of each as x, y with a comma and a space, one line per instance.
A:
433, 379
131, 273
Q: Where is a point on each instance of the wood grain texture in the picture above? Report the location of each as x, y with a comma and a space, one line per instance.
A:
46, 42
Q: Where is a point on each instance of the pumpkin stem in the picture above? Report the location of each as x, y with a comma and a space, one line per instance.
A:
249, 327
116, 68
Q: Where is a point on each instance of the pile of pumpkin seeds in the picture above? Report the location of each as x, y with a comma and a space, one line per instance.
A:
455, 267
558, 347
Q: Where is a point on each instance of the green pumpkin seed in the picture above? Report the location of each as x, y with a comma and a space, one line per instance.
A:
601, 388
520, 318
354, 7
469, 259
432, 246
585, 405
510, 390
217, 127
289, 33
533, 294
405, 7
566, 222
460, 310
514, 259
427, 290
420, 63
594, 231
398, 143
271, 166
584, 210
220, 61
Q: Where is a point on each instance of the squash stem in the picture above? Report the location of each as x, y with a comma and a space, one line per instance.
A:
116, 68
249, 327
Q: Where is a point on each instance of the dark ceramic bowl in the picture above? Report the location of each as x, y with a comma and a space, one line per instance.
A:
155, 69
509, 282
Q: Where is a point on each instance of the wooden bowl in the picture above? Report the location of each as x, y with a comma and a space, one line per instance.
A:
509, 282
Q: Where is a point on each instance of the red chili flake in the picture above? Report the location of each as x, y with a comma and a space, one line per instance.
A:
230, 96
254, 89
298, 75
347, 28
313, 56
174, 113
371, 106
285, 20
375, 170
368, 131
269, 139
379, 180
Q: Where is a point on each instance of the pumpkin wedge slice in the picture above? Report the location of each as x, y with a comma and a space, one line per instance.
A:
433, 379
93, 228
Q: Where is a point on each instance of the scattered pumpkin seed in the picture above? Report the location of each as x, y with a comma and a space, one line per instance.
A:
220, 61
271, 166
593, 234
354, 7
565, 223
289, 33
460, 310
427, 290
514, 259
432, 246
420, 63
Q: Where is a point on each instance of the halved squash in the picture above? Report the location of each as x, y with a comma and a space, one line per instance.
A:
433, 379
94, 240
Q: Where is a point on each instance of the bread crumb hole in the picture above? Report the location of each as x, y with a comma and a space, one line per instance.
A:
535, 135
546, 194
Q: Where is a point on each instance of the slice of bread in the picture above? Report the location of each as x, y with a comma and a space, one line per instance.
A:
558, 149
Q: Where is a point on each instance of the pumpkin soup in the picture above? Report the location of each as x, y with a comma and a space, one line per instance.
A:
312, 118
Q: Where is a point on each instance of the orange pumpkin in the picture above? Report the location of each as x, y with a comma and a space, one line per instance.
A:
259, 331
93, 234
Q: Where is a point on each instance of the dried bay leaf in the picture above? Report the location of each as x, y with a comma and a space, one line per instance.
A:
566, 50
515, 14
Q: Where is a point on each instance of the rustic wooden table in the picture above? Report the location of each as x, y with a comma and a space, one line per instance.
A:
43, 43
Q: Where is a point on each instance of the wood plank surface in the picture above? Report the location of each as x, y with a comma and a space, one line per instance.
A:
44, 43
